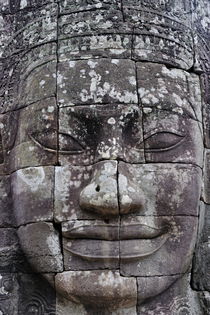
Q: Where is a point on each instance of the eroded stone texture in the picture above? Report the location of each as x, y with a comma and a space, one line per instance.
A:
178, 299
40, 243
96, 81
6, 204
163, 189
36, 295
201, 261
88, 134
11, 255
101, 137
91, 244
113, 291
168, 254
32, 138
9, 294
33, 194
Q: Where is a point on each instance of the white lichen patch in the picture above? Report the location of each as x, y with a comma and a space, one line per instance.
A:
33, 178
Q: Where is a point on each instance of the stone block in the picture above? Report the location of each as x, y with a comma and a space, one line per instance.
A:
96, 81
165, 189
9, 294
32, 139
111, 289
167, 254
37, 83
178, 298
91, 244
11, 255
6, 206
37, 68
88, 134
174, 90
86, 192
36, 295
33, 194
206, 189
172, 137
41, 246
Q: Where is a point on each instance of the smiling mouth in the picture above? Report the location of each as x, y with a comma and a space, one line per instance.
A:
109, 243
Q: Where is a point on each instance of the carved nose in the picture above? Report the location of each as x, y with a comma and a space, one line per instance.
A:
131, 196
101, 195
109, 194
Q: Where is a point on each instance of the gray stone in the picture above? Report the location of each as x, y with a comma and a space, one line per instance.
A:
96, 81
88, 134
40, 243
94, 189
36, 294
11, 255
6, 206
182, 143
165, 255
111, 287
32, 140
9, 294
163, 189
177, 299
33, 194
169, 89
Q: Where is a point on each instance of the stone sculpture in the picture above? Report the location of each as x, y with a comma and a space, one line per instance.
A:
104, 158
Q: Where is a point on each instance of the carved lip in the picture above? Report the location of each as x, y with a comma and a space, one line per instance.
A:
106, 243
115, 232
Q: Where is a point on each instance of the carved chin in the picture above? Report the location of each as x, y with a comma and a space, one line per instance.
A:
97, 289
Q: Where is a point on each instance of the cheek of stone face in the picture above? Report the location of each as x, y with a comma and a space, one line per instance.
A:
168, 189
168, 201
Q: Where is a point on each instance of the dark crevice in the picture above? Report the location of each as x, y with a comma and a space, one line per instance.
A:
142, 112
58, 228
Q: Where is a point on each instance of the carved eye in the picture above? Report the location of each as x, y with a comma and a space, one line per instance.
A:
163, 141
69, 145
47, 140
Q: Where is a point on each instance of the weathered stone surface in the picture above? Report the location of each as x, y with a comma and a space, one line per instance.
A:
6, 206
40, 243
9, 294
182, 143
96, 81
33, 194
22, 67
32, 139
174, 90
36, 296
163, 189
113, 182
94, 189
177, 299
97, 35
90, 254
111, 287
11, 256
37, 82
31, 27
91, 244
201, 259
206, 190
88, 134
168, 254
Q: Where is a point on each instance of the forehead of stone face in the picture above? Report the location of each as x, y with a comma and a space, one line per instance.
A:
174, 90
96, 81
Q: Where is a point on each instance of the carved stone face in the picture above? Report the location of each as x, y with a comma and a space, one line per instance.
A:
107, 176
